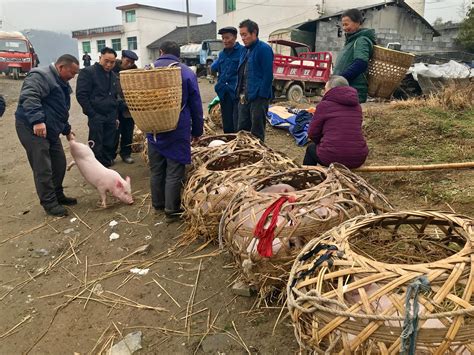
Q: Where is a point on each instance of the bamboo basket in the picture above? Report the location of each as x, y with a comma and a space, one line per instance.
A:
139, 139
144, 153
215, 115
387, 68
209, 190
153, 97
323, 198
396, 282
201, 152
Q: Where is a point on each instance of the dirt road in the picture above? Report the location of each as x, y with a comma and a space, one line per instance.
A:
52, 270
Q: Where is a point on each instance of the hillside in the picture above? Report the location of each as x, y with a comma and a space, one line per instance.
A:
50, 45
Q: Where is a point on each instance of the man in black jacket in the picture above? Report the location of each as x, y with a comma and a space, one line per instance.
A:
42, 115
125, 131
3, 105
97, 93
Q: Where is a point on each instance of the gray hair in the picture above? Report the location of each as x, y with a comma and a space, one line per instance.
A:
335, 81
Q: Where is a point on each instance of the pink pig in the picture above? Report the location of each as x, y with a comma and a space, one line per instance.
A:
98, 175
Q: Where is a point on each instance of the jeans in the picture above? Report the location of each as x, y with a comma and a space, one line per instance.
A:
253, 117
229, 113
48, 162
103, 130
166, 180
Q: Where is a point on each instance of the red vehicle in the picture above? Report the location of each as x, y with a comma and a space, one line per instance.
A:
303, 73
17, 55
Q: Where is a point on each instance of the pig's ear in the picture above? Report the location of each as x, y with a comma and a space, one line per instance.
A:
127, 179
119, 184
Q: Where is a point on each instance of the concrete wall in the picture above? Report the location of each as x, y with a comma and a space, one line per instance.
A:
446, 41
269, 15
335, 6
153, 25
391, 24
94, 53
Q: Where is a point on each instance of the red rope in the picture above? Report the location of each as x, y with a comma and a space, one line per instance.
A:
266, 236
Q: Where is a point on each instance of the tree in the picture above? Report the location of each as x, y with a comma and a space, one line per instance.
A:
438, 22
466, 32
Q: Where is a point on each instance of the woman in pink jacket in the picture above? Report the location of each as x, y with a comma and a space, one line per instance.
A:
336, 128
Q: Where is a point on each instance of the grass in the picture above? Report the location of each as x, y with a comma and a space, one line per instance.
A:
439, 129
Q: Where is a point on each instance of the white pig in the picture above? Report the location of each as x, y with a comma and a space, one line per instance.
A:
278, 188
105, 180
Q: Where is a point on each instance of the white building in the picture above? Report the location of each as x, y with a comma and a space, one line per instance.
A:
271, 15
141, 25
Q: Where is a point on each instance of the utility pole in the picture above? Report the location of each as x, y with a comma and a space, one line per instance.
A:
188, 33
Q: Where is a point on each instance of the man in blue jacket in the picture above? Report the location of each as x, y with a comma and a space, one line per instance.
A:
169, 152
255, 76
226, 65
42, 115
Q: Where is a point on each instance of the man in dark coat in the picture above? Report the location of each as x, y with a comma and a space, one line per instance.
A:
86, 59
254, 86
336, 128
3, 105
169, 152
97, 93
226, 65
125, 131
42, 115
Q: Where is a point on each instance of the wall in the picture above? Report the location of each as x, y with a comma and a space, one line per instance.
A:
391, 24
446, 41
270, 17
335, 6
94, 53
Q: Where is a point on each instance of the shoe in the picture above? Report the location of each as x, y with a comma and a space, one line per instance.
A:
68, 201
57, 211
128, 160
173, 215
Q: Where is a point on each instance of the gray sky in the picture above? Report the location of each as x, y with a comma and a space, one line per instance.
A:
68, 15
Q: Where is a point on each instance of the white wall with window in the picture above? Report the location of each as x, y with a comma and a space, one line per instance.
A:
278, 14
93, 45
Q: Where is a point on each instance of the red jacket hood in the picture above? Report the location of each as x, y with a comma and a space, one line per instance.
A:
344, 95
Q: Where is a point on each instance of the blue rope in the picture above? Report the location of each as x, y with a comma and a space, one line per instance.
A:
410, 324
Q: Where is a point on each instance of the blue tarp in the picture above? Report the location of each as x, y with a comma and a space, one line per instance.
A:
296, 124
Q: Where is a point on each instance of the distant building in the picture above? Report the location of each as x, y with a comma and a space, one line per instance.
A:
272, 15
198, 33
141, 25
393, 22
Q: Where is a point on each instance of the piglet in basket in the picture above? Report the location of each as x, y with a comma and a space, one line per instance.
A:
105, 180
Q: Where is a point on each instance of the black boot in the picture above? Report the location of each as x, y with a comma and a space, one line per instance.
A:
68, 201
57, 211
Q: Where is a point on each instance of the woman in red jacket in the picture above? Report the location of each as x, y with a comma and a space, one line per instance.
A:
336, 128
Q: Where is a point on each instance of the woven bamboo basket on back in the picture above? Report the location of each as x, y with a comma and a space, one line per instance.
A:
396, 282
209, 190
153, 97
387, 68
322, 198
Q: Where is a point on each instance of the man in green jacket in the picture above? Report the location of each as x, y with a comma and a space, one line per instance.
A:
352, 62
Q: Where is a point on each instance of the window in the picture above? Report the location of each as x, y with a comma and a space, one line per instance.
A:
130, 16
100, 44
229, 5
116, 44
132, 43
86, 46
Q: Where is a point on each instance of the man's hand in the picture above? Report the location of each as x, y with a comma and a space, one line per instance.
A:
117, 123
70, 136
39, 130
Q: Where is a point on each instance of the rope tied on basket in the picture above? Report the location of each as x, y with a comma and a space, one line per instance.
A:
266, 236
327, 256
410, 323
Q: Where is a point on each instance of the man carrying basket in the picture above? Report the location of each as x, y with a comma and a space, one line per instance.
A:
169, 152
